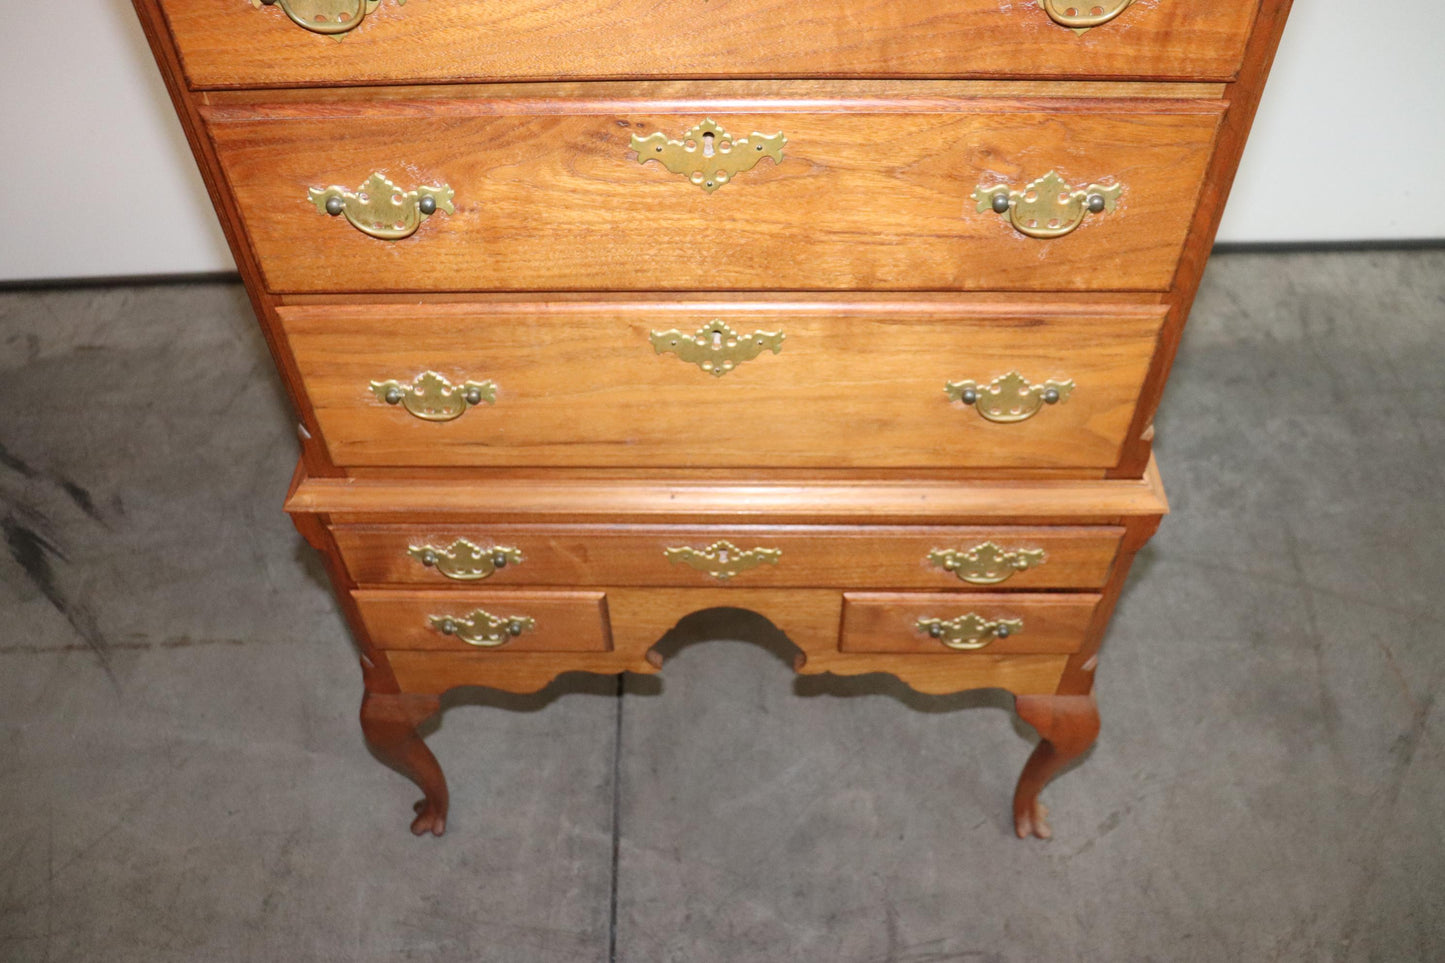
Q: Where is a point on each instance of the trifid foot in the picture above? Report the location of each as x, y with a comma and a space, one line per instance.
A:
430, 818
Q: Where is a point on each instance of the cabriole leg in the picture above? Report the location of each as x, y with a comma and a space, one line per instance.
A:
1068, 725
390, 723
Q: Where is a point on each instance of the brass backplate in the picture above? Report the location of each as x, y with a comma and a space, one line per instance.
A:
1010, 398
969, 632
465, 561
716, 348
986, 564
432, 397
1080, 16
482, 628
333, 18
1049, 207
380, 209
722, 560
708, 155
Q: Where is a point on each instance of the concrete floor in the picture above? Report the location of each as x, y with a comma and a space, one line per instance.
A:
182, 777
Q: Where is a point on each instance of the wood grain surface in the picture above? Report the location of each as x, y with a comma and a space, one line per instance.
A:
871, 194
887, 622
639, 498
228, 43
878, 556
853, 385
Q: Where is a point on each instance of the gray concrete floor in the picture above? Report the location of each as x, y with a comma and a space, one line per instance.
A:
182, 777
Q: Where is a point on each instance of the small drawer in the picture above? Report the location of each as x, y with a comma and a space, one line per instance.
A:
992, 623
546, 190
235, 44
622, 384
745, 556
512, 621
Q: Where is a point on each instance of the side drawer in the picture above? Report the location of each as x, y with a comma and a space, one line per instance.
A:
510, 621
875, 190
771, 556
992, 624
834, 385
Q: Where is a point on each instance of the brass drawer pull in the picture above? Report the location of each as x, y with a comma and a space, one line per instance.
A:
722, 560
433, 398
382, 210
334, 18
1049, 207
986, 564
482, 628
1082, 15
708, 155
1010, 398
465, 561
969, 632
716, 348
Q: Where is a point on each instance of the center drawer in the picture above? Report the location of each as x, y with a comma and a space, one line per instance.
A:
868, 188
826, 385
751, 556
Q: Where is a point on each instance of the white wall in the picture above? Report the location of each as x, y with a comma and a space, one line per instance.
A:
1349, 144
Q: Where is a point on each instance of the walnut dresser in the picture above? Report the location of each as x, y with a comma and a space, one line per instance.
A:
597, 313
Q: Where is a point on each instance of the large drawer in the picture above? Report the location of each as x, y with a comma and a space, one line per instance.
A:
758, 556
875, 190
232, 43
603, 385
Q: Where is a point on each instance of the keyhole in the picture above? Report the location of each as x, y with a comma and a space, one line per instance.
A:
717, 339
722, 555
707, 148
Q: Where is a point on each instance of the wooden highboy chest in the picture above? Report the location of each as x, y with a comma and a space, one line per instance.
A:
597, 313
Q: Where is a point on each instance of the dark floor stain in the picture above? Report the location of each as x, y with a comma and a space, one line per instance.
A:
32, 551
16, 464
73, 490
81, 497
132, 644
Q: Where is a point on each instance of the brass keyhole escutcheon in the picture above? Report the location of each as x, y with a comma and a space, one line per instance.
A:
722, 560
708, 155
715, 347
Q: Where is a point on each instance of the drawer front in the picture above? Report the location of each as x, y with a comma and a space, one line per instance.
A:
233, 44
749, 556
547, 193
624, 385
993, 624
507, 621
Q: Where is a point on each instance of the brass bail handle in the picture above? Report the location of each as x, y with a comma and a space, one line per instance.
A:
380, 209
431, 397
1083, 15
481, 628
1048, 208
969, 632
328, 17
